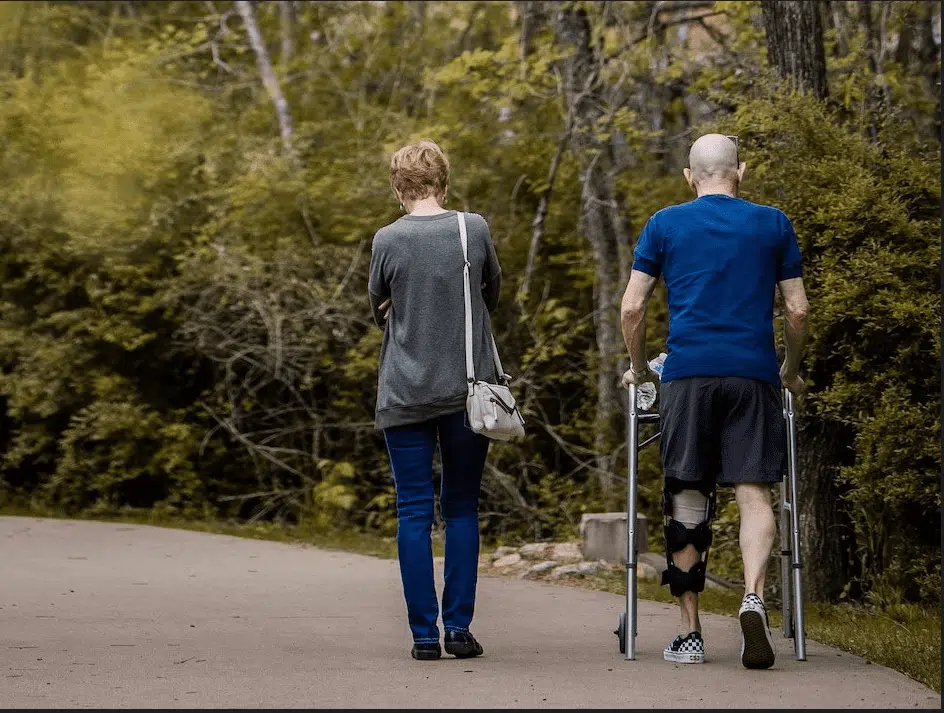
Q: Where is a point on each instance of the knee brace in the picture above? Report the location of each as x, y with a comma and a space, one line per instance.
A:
688, 514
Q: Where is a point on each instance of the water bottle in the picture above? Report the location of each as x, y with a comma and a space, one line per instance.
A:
646, 393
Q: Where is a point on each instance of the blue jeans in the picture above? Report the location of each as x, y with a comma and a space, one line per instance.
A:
463, 453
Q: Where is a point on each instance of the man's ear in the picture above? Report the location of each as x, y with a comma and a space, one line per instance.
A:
741, 169
687, 172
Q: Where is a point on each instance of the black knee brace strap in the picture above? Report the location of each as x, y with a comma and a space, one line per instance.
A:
691, 581
678, 536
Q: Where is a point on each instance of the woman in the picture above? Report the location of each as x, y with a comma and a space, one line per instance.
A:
416, 294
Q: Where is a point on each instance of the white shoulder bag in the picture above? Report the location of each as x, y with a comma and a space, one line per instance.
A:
491, 407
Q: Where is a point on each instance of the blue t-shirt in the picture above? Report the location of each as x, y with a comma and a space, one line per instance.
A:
721, 258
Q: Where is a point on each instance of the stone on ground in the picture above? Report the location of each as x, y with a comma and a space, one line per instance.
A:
566, 551
535, 550
502, 551
508, 560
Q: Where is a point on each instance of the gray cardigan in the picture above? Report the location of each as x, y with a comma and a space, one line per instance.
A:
417, 263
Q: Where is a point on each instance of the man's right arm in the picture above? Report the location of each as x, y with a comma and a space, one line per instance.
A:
795, 311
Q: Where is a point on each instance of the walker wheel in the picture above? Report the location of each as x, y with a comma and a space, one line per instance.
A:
621, 632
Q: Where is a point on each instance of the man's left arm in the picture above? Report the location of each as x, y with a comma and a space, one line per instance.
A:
633, 321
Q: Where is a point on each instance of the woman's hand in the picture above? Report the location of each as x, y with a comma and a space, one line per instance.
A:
385, 308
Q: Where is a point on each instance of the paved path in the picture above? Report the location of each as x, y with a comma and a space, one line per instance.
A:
106, 615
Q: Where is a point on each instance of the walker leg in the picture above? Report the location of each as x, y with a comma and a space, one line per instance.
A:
632, 448
786, 549
786, 560
799, 629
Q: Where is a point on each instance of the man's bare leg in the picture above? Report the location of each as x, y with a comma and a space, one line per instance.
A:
758, 529
757, 540
688, 603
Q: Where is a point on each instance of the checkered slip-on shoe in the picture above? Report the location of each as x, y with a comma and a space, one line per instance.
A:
757, 648
686, 649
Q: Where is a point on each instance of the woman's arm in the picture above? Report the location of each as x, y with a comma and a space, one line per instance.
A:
379, 306
491, 274
378, 286
490, 292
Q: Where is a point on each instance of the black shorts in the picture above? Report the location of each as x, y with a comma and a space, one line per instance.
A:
722, 430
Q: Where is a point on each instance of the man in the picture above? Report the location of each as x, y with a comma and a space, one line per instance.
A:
721, 407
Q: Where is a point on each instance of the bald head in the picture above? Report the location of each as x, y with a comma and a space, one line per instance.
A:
713, 158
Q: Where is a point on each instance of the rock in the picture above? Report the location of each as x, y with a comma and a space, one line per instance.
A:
656, 560
565, 570
503, 551
713, 583
534, 570
604, 535
508, 560
485, 562
567, 551
536, 550
588, 567
644, 570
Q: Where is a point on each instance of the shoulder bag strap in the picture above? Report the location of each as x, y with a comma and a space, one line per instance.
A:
469, 362
499, 372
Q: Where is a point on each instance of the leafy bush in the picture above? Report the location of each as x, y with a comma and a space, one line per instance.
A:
867, 218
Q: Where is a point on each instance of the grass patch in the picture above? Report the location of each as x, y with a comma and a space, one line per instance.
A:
903, 637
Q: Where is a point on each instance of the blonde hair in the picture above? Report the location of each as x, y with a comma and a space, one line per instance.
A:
419, 171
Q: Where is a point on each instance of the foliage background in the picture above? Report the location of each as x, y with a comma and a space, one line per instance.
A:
183, 315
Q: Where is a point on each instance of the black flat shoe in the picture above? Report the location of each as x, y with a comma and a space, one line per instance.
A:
462, 645
426, 652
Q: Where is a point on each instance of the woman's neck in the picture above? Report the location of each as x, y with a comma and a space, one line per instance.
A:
425, 206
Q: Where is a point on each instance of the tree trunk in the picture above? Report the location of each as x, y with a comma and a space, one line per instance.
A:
540, 215
929, 55
839, 18
599, 221
795, 50
269, 79
906, 37
287, 28
795, 43
623, 235
879, 99
532, 15
828, 542
598, 227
